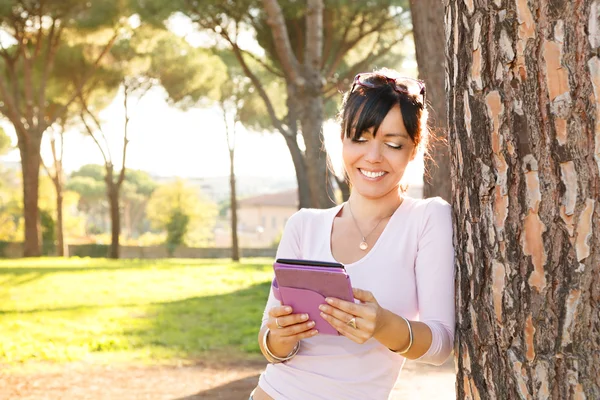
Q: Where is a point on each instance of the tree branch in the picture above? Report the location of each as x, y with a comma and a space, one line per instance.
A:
264, 65
50, 53
98, 126
125, 139
345, 47
91, 133
313, 51
79, 88
11, 110
328, 35
282, 42
358, 67
257, 84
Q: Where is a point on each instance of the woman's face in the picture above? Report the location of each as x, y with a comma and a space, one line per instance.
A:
375, 165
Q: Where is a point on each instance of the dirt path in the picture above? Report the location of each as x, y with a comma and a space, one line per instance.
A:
207, 381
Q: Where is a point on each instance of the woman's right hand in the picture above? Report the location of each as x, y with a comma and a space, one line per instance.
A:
287, 329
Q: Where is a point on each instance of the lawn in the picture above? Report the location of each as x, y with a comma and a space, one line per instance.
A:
85, 309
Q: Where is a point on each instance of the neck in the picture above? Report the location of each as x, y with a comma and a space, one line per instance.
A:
365, 208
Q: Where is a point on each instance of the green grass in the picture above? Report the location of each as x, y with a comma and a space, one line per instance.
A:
63, 310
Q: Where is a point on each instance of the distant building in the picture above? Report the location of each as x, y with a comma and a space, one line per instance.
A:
260, 219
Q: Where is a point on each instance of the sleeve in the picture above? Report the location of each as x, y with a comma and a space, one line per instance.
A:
289, 247
434, 271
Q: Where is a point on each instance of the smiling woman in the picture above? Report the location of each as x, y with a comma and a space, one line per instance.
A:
396, 250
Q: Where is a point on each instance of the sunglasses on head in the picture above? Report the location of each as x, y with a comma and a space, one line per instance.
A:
401, 85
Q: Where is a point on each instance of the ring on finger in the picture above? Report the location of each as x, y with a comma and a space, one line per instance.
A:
277, 323
352, 322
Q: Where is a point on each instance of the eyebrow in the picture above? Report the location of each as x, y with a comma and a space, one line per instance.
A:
404, 135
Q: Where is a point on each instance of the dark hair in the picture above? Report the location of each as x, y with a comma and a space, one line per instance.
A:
367, 107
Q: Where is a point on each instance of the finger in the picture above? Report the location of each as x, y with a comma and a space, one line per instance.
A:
279, 311
287, 320
350, 308
363, 295
336, 313
356, 335
293, 330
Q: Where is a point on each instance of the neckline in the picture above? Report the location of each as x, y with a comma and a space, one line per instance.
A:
337, 209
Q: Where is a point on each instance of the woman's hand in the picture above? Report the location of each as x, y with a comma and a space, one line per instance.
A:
287, 329
369, 316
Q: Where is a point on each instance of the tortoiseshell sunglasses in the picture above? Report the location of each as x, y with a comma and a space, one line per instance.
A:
400, 85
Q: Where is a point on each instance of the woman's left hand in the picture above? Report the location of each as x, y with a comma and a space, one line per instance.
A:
368, 316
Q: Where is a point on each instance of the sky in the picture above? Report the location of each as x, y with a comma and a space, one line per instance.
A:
166, 141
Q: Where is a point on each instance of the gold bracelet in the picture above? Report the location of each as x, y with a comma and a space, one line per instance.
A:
410, 337
273, 356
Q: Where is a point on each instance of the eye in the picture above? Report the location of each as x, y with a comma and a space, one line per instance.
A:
394, 145
360, 140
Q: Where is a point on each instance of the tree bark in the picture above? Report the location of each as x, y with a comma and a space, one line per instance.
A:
29, 148
115, 215
304, 197
524, 112
235, 249
61, 250
428, 29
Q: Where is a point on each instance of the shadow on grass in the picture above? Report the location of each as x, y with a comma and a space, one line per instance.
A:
236, 390
192, 327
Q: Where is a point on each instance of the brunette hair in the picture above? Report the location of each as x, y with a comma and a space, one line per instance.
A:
366, 107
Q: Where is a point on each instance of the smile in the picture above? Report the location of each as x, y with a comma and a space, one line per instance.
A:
372, 174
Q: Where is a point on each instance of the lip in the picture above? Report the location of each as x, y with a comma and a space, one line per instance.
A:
369, 178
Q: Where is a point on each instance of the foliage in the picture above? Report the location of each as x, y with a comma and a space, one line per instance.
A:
48, 226
129, 310
176, 229
89, 182
179, 195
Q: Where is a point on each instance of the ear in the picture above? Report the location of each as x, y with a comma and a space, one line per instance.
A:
414, 152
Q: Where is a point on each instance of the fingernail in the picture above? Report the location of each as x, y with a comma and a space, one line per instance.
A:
322, 307
304, 316
314, 332
323, 315
328, 300
311, 324
288, 309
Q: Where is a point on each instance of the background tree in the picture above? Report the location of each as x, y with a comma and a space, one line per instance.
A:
428, 28
137, 189
33, 33
524, 112
313, 50
56, 174
179, 197
88, 182
131, 57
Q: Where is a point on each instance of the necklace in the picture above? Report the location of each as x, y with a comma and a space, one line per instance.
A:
363, 244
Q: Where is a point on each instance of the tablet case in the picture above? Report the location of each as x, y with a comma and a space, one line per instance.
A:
304, 285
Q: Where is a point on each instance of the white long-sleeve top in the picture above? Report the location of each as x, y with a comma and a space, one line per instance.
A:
409, 270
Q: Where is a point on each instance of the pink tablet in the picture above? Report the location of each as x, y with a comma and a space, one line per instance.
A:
304, 285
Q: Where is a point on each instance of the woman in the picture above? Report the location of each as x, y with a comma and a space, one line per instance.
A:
397, 251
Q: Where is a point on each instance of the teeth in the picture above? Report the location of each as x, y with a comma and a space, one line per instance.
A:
371, 174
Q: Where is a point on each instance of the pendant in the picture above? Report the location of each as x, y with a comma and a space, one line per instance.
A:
363, 245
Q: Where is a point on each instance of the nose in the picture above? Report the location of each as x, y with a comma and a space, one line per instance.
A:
373, 154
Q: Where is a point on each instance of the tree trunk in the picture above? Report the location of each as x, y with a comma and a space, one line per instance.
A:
61, 249
29, 147
235, 250
524, 112
311, 121
115, 216
428, 28
304, 200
